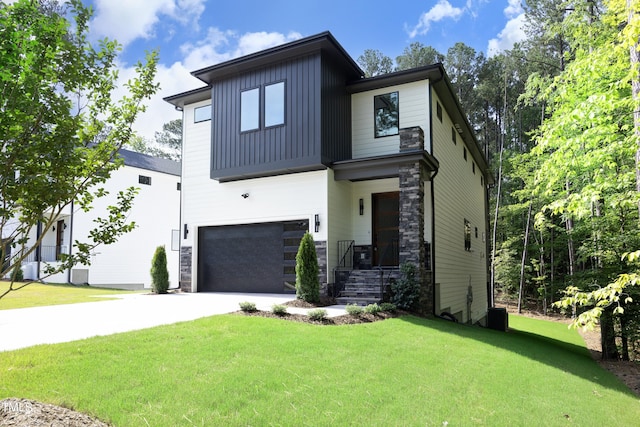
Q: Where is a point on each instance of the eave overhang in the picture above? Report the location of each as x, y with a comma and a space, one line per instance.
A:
380, 167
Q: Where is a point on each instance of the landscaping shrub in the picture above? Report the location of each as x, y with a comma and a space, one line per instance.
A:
17, 275
248, 307
387, 306
159, 272
307, 282
405, 292
372, 309
279, 309
354, 310
318, 314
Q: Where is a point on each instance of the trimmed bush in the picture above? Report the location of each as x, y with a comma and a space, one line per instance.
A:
372, 309
307, 282
279, 309
405, 292
354, 310
248, 307
389, 307
159, 272
318, 314
17, 275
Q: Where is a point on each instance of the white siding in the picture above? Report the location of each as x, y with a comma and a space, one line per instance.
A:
413, 111
155, 211
207, 202
459, 195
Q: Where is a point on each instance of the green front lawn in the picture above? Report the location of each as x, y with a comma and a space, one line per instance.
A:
38, 295
236, 370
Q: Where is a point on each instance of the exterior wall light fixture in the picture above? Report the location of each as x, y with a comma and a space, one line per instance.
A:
317, 221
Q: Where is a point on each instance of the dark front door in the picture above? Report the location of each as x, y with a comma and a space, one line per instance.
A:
59, 238
386, 208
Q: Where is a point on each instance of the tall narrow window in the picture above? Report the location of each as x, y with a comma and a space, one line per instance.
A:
385, 114
467, 235
439, 111
453, 135
464, 153
249, 110
274, 104
202, 114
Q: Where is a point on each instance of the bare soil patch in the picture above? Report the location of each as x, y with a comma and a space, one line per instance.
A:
24, 412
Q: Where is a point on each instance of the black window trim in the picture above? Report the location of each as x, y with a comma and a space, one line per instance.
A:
375, 130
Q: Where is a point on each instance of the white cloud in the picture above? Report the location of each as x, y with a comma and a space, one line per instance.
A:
440, 11
513, 31
127, 20
216, 47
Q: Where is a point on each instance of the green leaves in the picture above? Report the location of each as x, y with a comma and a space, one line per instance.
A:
60, 127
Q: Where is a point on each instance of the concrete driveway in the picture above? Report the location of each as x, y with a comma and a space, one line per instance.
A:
25, 327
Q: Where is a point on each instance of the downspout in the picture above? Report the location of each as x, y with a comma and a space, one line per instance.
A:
70, 241
38, 249
490, 296
184, 126
432, 197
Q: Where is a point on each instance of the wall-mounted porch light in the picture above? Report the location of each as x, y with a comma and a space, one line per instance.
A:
185, 232
317, 221
361, 206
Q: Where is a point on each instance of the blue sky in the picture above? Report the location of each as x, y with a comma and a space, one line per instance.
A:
191, 34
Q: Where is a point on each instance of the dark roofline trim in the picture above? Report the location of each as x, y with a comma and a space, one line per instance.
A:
151, 163
379, 167
315, 43
189, 97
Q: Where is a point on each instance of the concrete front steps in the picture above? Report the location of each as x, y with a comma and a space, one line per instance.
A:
363, 287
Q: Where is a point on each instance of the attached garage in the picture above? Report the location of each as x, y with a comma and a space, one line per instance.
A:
249, 257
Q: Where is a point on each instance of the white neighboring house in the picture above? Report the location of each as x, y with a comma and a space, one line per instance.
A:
125, 264
382, 171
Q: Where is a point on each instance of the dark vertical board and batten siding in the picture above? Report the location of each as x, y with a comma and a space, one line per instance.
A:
316, 129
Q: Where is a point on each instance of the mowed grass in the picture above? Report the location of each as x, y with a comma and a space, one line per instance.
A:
38, 294
237, 370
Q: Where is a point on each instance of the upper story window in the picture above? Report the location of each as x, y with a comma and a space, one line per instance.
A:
250, 110
142, 179
202, 114
439, 111
453, 135
385, 114
467, 235
272, 107
274, 104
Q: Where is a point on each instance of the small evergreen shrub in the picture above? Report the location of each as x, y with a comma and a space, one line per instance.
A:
159, 272
318, 314
405, 292
279, 309
248, 307
307, 282
354, 310
372, 309
389, 307
17, 275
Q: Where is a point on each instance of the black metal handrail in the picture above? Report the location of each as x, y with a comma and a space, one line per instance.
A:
345, 247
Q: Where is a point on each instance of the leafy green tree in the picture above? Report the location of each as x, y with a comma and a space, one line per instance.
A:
159, 272
375, 63
418, 55
307, 270
170, 139
60, 128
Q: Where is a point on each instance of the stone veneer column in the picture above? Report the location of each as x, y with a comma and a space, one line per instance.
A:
321, 253
411, 227
186, 260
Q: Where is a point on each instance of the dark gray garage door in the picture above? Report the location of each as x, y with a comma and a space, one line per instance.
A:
248, 257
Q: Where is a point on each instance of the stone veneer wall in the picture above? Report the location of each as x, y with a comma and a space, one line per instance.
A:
321, 253
186, 259
411, 228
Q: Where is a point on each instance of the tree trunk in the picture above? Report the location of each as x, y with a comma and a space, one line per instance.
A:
608, 335
524, 258
634, 57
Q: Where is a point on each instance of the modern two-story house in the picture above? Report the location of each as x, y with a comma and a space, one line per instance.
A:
125, 263
381, 171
